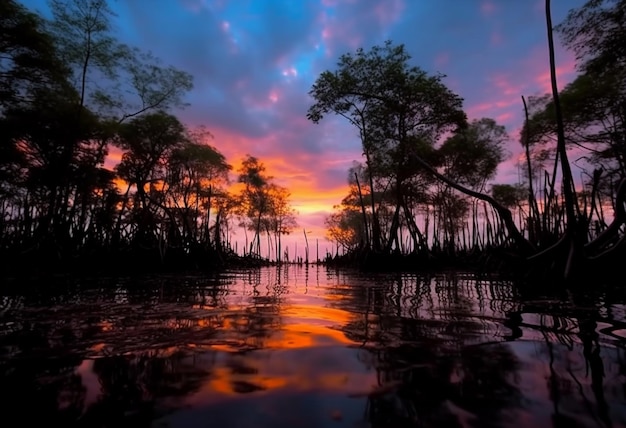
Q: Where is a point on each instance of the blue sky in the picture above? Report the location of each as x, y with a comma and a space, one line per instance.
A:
254, 61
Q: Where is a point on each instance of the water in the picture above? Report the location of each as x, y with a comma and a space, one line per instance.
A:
297, 347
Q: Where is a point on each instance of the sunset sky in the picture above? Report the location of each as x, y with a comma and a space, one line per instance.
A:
254, 61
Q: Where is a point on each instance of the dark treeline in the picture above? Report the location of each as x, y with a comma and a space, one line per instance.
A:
70, 93
422, 192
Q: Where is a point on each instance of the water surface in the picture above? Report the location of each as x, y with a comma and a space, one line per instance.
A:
307, 347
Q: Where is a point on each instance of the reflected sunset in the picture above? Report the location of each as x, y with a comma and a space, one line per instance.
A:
313, 213
311, 347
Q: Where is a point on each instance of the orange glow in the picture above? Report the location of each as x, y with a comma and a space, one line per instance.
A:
306, 197
107, 326
309, 196
98, 347
302, 326
224, 381
281, 373
223, 348
306, 336
314, 313
312, 194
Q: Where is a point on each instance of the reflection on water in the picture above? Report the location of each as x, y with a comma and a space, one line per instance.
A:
309, 348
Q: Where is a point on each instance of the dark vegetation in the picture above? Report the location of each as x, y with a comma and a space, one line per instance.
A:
421, 196
70, 94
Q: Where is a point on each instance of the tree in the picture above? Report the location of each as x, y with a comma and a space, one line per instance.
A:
29, 56
263, 206
29, 65
344, 227
595, 32
118, 81
254, 198
393, 105
107, 74
282, 217
82, 33
154, 86
197, 173
69, 89
400, 113
588, 116
58, 158
469, 157
148, 142
510, 196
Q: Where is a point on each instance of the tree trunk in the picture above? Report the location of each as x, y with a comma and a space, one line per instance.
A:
576, 241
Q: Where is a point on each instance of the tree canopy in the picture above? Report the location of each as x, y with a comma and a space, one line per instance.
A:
71, 93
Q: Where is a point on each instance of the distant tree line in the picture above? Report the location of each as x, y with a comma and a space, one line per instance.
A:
423, 189
69, 93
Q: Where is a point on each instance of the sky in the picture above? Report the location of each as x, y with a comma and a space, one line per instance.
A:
254, 62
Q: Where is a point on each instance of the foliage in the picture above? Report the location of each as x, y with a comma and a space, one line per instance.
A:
69, 93
592, 109
263, 206
401, 114
509, 195
472, 155
399, 111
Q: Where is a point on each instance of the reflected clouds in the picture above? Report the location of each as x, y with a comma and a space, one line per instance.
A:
311, 347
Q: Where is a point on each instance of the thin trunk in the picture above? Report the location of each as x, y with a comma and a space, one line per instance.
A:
375, 222
571, 206
365, 225
532, 201
393, 233
208, 216
306, 253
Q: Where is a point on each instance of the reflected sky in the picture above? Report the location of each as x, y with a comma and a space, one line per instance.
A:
299, 346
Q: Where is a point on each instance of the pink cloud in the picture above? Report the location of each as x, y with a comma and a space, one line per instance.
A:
114, 157
259, 107
266, 102
389, 11
564, 74
507, 85
538, 66
504, 117
487, 8
334, 34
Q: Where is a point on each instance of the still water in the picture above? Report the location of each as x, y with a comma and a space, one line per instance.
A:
309, 347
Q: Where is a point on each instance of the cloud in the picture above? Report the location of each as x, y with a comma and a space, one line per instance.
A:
488, 8
254, 62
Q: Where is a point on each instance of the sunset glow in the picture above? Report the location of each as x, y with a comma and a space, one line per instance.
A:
254, 63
